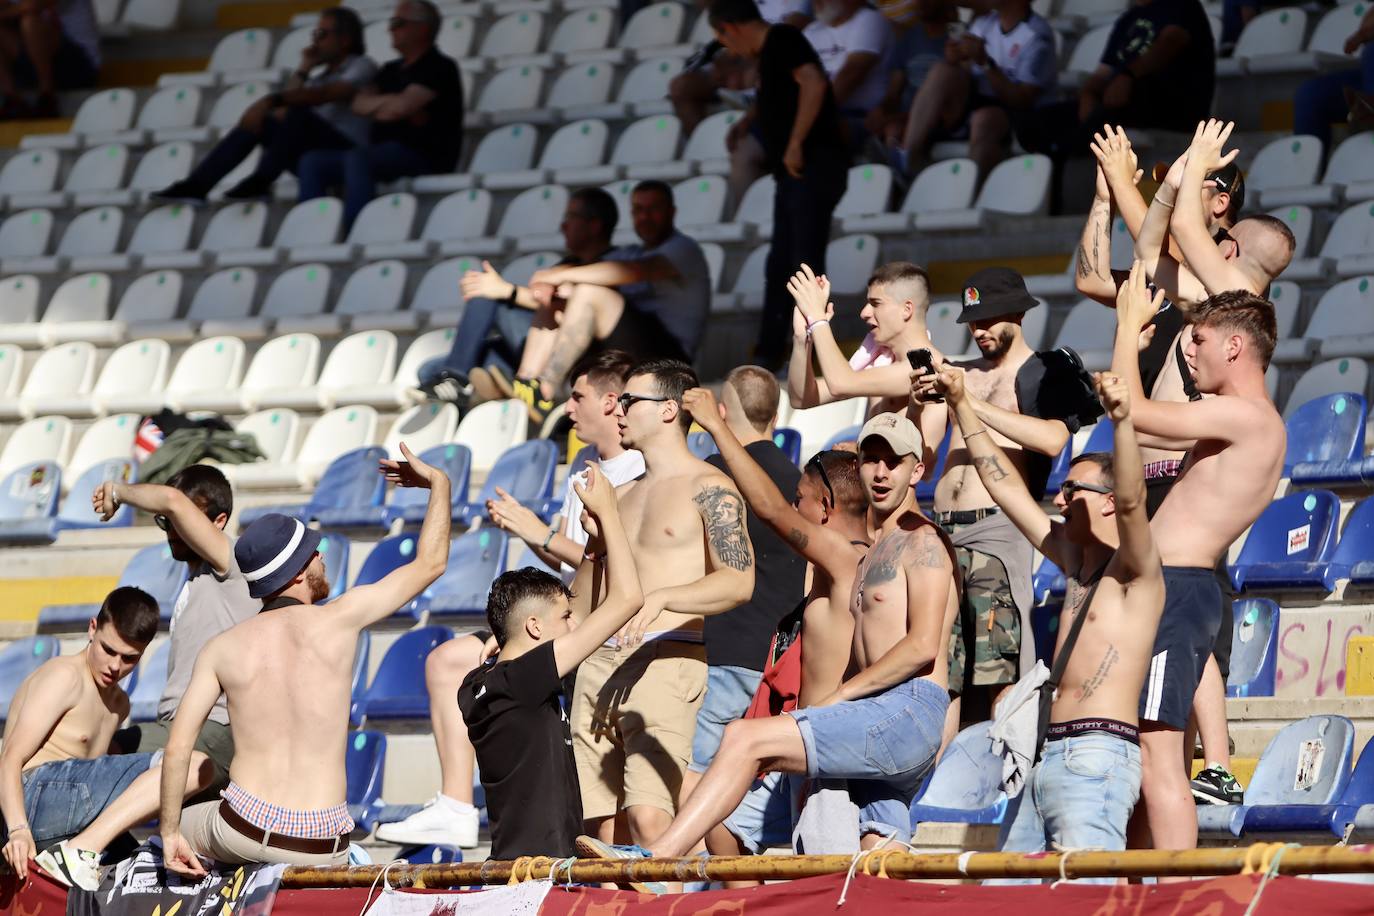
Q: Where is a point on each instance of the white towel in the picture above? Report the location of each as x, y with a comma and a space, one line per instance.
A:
1016, 728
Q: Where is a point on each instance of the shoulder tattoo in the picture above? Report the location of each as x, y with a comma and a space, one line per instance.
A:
723, 512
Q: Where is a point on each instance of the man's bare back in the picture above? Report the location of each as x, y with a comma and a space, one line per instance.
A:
85, 730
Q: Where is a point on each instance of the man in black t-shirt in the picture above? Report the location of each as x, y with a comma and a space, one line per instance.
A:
797, 121
514, 708
416, 107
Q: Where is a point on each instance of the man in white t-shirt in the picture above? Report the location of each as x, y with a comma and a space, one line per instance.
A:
46, 45
991, 80
450, 819
853, 41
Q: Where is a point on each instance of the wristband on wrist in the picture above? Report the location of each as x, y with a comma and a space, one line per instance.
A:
548, 538
514, 291
811, 326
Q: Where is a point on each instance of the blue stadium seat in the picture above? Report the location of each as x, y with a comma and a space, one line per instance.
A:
1048, 582
389, 554
398, 689
701, 445
1059, 470
1045, 627
20, 659
361, 655
529, 558
1290, 545
334, 551
790, 441
1326, 441
348, 490
431, 855
76, 508
30, 492
1101, 438
1325, 744
1254, 648
966, 787
152, 679
474, 562
1355, 804
409, 503
151, 569
525, 471
848, 434
1354, 556
925, 490
364, 762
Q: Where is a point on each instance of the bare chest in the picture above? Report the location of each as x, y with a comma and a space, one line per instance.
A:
880, 584
660, 517
996, 386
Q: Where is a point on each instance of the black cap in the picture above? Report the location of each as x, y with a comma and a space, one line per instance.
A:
995, 291
1231, 180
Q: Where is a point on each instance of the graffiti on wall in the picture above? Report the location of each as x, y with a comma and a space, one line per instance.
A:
1312, 648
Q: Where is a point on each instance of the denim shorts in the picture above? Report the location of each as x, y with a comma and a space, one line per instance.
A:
892, 737
1079, 796
729, 691
63, 797
764, 818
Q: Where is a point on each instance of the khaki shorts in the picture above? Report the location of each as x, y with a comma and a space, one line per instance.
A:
215, 741
633, 717
209, 835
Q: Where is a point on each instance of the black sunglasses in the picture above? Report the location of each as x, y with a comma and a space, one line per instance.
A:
165, 523
1070, 487
815, 462
626, 401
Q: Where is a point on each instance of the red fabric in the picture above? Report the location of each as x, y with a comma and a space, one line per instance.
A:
777, 693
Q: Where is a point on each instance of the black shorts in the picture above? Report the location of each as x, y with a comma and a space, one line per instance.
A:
1187, 631
643, 335
72, 68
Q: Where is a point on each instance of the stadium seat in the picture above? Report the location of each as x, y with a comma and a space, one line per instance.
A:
294, 298
350, 484
578, 92
152, 569
867, 192
1086, 54
789, 440
457, 225
1273, 33
364, 763
224, 295
400, 389
639, 151
19, 311
20, 659
224, 115
1286, 297
422, 427
528, 219
28, 173
362, 654
1283, 163
1048, 582
30, 491
1290, 545
474, 561
233, 227
373, 299
91, 234
643, 92
24, 236
525, 471
152, 680
277, 433
849, 262
747, 291
398, 689
365, 358
11, 369
491, 428
581, 30
236, 53
408, 504
1350, 166
79, 310
1353, 558
701, 444
286, 363
432, 854
1307, 763
385, 219
1326, 441
700, 201
456, 34
508, 96
1353, 808
500, 149
966, 785
1089, 329
61, 374
818, 424
940, 187
152, 299
344, 430
848, 434
151, 15
715, 263
1334, 376
706, 146
109, 437
1346, 250
1342, 322
512, 35
309, 224
75, 510
753, 216
212, 364
386, 556
45, 439
1045, 629
1017, 186
1254, 648
105, 112
96, 172
579, 144
138, 366
1325, 49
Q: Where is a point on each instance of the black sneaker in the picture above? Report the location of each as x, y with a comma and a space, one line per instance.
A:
1216, 786
251, 188
449, 386
181, 192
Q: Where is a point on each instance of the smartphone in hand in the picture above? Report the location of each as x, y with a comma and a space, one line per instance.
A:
923, 359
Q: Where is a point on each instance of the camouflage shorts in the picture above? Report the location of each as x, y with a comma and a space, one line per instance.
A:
988, 625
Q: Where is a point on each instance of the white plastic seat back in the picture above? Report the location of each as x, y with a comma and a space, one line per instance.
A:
1286, 162
19, 299
868, 190
138, 366
289, 361
422, 426
849, 262
581, 84
654, 26
648, 81
61, 371
1019, 185
583, 30
513, 34
708, 140
512, 89
39, 439
167, 228
700, 201
93, 232
949, 336
1298, 219
170, 108
1352, 233
652, 139
235, 227
522, 268
1274, 32
1087, 53
1345, 309
1353, 159
299, 291
715, 262
310, 223
209, 364
574, 145
287, 54
439, 290
26, 234
246, 49
818, 424
341, 430
1330, 377
162, 165
373, 288
1089, 326
750, 279
1335, 27
277, 432
620, 192
377, 37
534, 211
85, 297
756, 206
233, 102
152, 297
1286, 297
11, 369
460, 215
946, 185
30, 172
100, 168
152, 15
105, 112
456, 35
365, 358
506, 148
424, 348
106, 438
491, 428
384, 219
225, 294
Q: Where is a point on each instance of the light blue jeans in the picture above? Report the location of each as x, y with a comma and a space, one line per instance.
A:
729, 691
1079, 796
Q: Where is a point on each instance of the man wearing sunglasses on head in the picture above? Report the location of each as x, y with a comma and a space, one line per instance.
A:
313, 110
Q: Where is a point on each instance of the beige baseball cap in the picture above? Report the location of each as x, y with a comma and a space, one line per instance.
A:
898, 431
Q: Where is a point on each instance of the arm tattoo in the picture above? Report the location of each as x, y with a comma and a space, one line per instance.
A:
723, 512
798, 539
1098, 231
1083, 268
1100, 675
992, 465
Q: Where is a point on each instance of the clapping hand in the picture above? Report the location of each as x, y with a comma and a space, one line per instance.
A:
812, 295
1115, 157
1209, 138
412, 472
1135, 307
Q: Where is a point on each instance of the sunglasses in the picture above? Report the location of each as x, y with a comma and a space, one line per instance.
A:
1069, 487
626, 401
165, 523
815, 463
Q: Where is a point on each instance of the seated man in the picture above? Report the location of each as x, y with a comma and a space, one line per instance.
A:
46, 45
854, 42
313, 111
991, 79
918, 49
59, 726
904, 604
287, 673
516, 313
649, 299
1345, 95
416, 109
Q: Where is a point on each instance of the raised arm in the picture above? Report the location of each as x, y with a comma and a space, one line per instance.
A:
548, 542
1093, 275
196, 703
1153, 244
812, 295
1137, 556
201, 534
52, 692
365, 605
1189, 223
803, 388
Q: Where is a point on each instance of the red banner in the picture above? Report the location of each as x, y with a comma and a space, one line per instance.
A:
1214, 897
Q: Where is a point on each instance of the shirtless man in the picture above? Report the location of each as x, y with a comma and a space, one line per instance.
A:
1236, 440
826, 523
895, 312
286, 676
1105, 548
636, 700
1031, 402
884, 723
60, 724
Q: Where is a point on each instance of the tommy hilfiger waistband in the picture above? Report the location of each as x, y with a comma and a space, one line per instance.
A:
1079, 727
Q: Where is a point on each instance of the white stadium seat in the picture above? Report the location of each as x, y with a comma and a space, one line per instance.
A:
1298, 219
151, 299
421, 427
1288, 162
1286, 297
151, 15
11, 370
1325, 49
373, 298
1089, 329
747, 291
237, 52
309, 224
19, 311
490, 428
232, 227
341, 430
295, 296
509, 95
646, 149
96, 172
109, 437
529, 219
276, 431
29, 172
24, 235
1352, 167
580, 144
580, 91
941, 186
439, 295
706, 146
290, 361
106, 112
1019, 185
169, 111
1343, 322
399, 390
512, 35
94, 233
1330, 377
522, 268
460, 217
39, 439
867, 192
508, 148
365, 358
211, 364
1270, 34
753, 215
456, 35
715, 263
584, 30
1346, 250
849, 262
700, 201
80, 310
818, 424
949, 336
1087, 53
224, 295
60, 373
384, 220
135, 368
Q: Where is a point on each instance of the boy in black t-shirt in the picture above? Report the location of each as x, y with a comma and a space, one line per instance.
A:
514, 708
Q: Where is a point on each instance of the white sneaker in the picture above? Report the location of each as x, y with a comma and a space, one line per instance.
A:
71, 866
435, 823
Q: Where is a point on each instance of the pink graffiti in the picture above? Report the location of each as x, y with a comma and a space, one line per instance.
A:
1335, 683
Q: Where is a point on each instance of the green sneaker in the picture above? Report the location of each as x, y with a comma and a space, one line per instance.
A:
1216, 786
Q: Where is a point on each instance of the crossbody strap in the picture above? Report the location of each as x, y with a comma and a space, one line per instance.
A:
1061, 661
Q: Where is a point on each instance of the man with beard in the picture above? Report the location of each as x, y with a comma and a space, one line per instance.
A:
287, 674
